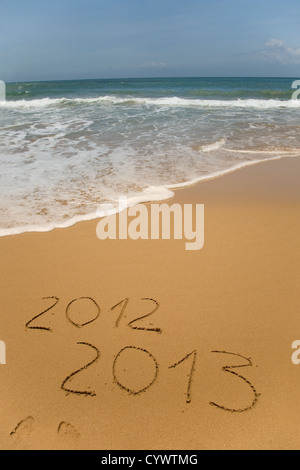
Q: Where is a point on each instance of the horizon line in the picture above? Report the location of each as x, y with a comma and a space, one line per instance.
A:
153, 78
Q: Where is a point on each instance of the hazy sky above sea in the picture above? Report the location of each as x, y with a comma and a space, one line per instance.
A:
69, 39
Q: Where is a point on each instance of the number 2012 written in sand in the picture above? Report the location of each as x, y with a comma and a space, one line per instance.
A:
89, 309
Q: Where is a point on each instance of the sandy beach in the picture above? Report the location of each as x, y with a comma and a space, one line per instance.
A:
210, 368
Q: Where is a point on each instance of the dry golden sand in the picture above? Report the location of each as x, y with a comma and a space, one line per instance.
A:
239, 295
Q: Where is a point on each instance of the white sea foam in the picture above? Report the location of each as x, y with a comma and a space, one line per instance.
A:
211, 147
150, 194
283, 152
167, 102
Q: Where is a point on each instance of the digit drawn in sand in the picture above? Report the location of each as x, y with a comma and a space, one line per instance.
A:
124, 387
24, 429
229, 370
191, 374
124, 304
155, 330
67, 430
81, 325
56, 299
71, 376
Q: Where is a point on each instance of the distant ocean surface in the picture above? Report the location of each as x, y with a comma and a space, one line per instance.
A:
68, 146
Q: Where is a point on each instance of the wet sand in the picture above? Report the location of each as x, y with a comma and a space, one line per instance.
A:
90, 374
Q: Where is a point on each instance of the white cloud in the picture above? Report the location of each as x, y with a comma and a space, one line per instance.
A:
279, 51
153, 64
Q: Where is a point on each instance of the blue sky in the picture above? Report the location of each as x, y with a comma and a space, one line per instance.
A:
69, 39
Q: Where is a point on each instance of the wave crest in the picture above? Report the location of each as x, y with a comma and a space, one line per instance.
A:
167, 102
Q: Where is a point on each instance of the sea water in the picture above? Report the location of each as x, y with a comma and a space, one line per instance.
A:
67, 147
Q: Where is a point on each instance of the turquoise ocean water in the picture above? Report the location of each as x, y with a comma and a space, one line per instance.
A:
69, 146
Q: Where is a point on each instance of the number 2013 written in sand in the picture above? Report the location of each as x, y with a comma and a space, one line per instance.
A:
85, 311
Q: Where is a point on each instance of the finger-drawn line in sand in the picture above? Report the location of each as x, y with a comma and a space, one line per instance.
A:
191, 374
123, 387
81, 325
24, 429
67, 430
43, 328
71, 376
229, 370
155, 330
124, 304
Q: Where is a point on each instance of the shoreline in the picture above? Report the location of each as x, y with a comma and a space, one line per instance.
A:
140, 199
